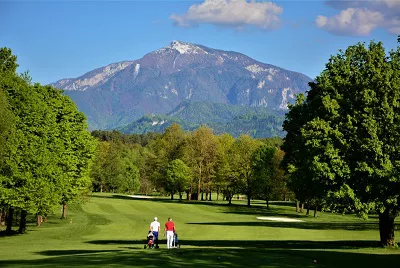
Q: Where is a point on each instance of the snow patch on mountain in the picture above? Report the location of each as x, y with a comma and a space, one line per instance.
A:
186, 48
255, 68
190, 94
98, 78
174, 91
136, 71
261, 84
284, 101
162, 122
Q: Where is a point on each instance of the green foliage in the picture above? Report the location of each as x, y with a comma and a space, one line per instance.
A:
200, 154
7, 127
8, 61
224, 179
258, 122
116, 136
49, 151
241, 154
345, 134
263, 171
116, 168
178, 177
167, 147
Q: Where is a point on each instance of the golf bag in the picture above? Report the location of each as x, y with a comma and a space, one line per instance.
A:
175, 242
150, 240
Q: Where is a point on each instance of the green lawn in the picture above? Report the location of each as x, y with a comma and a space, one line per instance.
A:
110, 231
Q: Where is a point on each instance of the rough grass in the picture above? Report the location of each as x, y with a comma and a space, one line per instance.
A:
110, 231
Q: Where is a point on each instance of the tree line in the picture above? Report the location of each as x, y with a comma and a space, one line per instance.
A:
192, 165
45, 148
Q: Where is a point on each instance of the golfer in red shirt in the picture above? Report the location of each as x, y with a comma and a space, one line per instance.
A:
170, 229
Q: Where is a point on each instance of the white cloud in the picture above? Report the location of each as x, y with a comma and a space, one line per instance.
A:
231, 13
362, 17
352, 21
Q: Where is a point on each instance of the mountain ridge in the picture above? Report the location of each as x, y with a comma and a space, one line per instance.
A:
119, 93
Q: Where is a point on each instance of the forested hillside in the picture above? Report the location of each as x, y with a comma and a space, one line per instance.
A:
257, 122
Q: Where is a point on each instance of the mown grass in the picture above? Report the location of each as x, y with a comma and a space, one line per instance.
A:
110, 231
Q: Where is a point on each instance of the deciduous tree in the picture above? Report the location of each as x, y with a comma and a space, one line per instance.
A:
349, 139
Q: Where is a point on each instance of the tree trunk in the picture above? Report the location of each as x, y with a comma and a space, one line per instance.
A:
202, 196
386, 228
16, 216
10, 215
172, 196
180, 196
297, 206
206, 196
209, 199
230, 200
38, 220
267, 201
3, 216
217, 193
64, 211
199, 184
308, 210
22, 222
302, 208
101, 188
248, 199
315, 211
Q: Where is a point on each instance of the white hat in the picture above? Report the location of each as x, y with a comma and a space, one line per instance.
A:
155, 218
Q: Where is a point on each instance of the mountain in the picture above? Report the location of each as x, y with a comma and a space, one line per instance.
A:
119, 93
234, 119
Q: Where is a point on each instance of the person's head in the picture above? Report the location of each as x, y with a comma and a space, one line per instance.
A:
155, 218
169, 219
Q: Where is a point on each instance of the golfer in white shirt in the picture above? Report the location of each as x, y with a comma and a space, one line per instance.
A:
155, 228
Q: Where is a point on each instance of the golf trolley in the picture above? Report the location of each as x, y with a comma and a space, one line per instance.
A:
175, 241
150, 241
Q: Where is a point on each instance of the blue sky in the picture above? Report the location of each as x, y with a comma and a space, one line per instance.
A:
57, 39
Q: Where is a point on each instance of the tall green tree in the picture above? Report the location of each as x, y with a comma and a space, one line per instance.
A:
351, 132
178, 177
201, 150
264, 172
167, 147
223, 172
241, 153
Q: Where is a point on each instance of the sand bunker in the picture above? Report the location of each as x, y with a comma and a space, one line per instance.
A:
140, 196
278, 219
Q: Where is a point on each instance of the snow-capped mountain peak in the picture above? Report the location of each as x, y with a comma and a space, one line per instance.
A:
186, 48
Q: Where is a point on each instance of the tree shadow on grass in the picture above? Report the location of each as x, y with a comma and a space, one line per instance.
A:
73, 252
271, 244
211, 257
168, 200
353, 226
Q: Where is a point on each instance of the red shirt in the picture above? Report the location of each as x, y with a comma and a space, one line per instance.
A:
170, 226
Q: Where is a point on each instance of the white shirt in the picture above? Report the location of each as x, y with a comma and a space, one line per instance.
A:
155, 226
